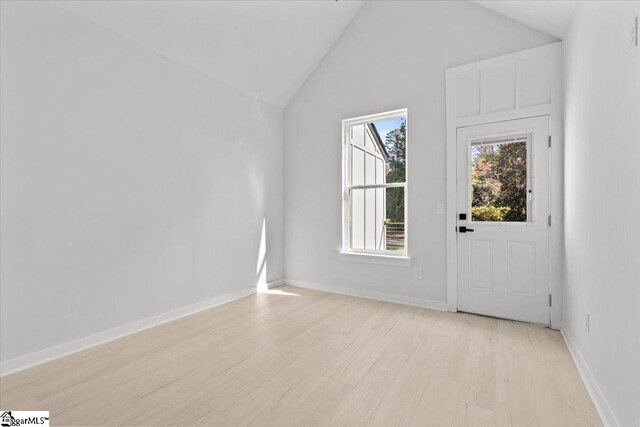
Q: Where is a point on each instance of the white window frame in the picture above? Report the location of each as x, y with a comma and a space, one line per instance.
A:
367, 255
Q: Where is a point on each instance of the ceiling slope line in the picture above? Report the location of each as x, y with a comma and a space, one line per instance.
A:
166, 57
323, 57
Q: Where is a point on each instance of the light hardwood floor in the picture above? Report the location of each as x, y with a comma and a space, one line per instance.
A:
297, 357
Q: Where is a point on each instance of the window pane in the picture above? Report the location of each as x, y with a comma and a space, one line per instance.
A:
370, 218
370, 165
499, 181
380, 211
380, 170
394, 231
392, 143
370, 139
357, 166
357, 219
357, 135
377, 219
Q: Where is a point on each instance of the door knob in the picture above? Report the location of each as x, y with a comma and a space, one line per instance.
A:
463, 229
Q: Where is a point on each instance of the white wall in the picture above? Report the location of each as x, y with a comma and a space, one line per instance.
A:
393, 55
602, 201
131, 184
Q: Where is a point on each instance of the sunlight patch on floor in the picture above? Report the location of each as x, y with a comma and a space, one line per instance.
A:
277, 292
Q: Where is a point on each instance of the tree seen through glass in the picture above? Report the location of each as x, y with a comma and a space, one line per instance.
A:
499, 181
394, 137
393, 134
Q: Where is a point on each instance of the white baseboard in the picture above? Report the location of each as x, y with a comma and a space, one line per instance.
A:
56, 352
599, 400
400, 299
275, 283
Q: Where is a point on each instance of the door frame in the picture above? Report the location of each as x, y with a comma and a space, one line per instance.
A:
550, 58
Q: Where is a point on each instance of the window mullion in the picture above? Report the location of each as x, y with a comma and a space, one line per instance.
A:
368, 186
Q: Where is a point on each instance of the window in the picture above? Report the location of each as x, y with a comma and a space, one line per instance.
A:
375, 189
500, 183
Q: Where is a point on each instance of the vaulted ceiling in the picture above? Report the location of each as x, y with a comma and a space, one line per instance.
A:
547, 16
265, 49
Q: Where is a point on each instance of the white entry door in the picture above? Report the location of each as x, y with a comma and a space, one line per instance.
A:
503, 219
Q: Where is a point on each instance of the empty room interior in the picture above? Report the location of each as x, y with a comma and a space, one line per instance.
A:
320, 213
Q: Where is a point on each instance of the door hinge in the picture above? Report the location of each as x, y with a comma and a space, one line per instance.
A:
550, 300
549, 140
549, 220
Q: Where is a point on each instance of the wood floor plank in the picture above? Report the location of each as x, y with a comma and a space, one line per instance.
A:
295, 356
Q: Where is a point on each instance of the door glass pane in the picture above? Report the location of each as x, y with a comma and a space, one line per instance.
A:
499, 180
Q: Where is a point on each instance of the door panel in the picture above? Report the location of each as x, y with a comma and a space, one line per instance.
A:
480, 265
503, 202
